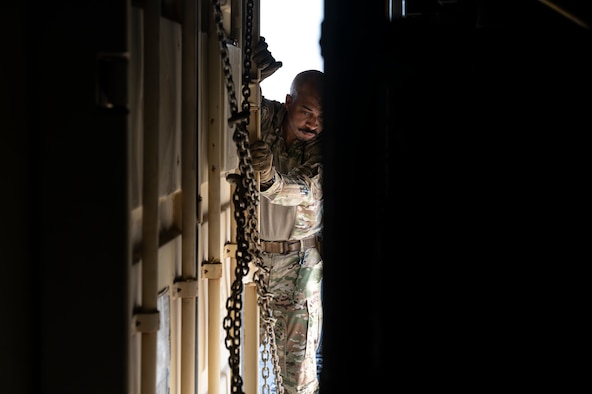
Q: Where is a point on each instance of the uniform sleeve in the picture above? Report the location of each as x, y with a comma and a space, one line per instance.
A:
303, 184
270, 114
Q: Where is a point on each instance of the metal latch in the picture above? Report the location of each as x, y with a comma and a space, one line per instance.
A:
185, 288
230, 250
146, 322
211, 269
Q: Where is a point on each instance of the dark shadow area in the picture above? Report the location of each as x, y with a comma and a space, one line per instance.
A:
455, 196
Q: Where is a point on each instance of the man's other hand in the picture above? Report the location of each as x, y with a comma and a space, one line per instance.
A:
263, 59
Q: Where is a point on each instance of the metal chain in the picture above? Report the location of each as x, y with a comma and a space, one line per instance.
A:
246, 200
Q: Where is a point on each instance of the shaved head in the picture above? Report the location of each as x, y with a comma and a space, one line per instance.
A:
310, 80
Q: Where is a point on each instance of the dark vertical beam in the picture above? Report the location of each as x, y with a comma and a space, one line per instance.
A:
355, 191
453, 167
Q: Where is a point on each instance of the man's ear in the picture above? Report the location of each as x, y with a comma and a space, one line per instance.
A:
288, 101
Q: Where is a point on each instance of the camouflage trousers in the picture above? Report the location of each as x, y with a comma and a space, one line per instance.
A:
294, 280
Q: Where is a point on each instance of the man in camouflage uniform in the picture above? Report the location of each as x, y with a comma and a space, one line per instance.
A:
288, 159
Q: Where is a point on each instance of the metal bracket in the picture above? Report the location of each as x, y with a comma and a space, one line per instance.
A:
147, 322
230, 250
211, 269
185, 288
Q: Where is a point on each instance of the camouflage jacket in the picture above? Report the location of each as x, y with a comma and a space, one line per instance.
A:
292, 207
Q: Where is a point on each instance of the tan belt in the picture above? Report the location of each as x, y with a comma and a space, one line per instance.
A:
285, 247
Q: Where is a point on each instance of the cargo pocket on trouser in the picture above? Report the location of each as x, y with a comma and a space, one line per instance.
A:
308, 281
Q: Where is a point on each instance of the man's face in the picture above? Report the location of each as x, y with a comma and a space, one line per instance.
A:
305, 115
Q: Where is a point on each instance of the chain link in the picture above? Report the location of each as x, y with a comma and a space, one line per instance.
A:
245, 200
